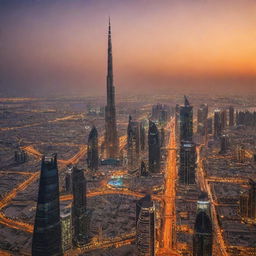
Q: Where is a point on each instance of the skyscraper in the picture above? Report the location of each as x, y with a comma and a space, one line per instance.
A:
145, 227
92, 150
217, 124
209, 125
66, 229
231, 116
133, 143
187, 163
142, 137
202, 114
80, 214
47, 229
223, 119
111, 138
153, 148
203, 233
186, 121
224, 143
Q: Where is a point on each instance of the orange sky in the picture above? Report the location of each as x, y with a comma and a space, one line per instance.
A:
52, 46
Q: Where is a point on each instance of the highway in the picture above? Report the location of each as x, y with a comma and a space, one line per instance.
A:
7, 199
108, 243
169, 216
70, 117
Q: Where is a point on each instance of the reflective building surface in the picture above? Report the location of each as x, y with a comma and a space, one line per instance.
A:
203, 232
47, 228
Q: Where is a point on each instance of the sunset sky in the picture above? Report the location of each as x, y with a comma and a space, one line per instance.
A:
59, 46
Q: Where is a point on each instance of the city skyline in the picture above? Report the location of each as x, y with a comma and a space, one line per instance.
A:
53, 47
138, 172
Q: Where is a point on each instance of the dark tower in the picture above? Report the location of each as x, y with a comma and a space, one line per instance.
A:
217, 124
203, 233
92, 150
224, 144
187, 163
186, 121
133, 143
111, 138
231, 116
202, 114
145, 226
79, 213
223, 119
142, 137
153, 148
47, 229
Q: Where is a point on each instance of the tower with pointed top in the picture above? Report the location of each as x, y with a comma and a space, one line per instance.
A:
186, 121
111, 138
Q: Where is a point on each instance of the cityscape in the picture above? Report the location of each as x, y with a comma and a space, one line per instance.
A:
128, 174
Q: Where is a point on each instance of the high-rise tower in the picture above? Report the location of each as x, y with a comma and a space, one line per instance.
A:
92, 150
80, 214
133, 143
203, 232
231, 116
187, 163
186, 121
153, 148
111, 138
47, 229
145, 226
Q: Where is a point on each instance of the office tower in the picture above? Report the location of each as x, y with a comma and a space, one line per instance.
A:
20, 156
187, 163
142, 137
143, 169
133, 143
47, 229
68, 180
111, 138
153, 148
231, 116
209, 125
92, 150
223, 119
80, 215
66, 229
217, 124
224, 144
203, 232
248, 203
145, 227
162, 137
186, 121
202, 114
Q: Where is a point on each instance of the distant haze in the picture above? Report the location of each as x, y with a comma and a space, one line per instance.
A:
58, 47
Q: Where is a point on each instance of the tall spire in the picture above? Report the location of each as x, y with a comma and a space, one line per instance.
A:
110, 61
111, 139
